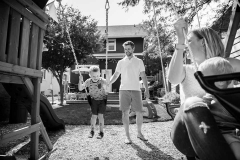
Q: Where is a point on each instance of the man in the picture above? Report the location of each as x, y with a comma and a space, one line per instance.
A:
131, 68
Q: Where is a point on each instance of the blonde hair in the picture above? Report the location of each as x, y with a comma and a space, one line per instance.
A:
212, 42
217, 65
94, 69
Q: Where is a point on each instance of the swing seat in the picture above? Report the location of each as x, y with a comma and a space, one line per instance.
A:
229, 97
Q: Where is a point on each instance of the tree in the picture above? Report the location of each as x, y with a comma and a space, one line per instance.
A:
84, 36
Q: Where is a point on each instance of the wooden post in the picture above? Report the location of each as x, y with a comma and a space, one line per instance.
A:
232, 29
35, 118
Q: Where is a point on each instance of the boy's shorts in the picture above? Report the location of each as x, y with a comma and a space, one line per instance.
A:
98, 106
131, 98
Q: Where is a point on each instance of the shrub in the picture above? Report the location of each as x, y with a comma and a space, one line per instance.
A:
172, 97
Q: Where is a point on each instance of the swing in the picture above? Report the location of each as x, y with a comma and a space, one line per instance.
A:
229, 98
89, 99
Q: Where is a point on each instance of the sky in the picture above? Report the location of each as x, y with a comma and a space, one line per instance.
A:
119, 16
116, 16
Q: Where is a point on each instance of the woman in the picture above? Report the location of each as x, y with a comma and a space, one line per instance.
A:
186, 135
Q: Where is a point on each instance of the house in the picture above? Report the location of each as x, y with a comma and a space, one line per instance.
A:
117, 35
49, 82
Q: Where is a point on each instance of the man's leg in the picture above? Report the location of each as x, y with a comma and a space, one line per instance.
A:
137, 106
139, 121
125, 99
125, 120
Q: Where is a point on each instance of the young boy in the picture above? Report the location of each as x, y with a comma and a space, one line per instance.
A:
218, 66
98, 95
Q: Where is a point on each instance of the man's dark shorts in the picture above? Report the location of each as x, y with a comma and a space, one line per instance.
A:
98, 106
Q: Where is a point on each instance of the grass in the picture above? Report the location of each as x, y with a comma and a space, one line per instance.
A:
80, 114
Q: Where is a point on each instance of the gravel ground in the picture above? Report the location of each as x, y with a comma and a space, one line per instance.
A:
74, 144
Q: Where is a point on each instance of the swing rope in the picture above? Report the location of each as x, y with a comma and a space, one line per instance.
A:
160, 54
73, 51
185, 36
107, 7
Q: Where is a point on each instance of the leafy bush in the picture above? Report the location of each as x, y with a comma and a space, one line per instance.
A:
172, 97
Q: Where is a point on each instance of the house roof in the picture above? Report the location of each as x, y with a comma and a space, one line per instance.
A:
122, 31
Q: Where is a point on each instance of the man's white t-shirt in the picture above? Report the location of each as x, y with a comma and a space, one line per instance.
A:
130, 71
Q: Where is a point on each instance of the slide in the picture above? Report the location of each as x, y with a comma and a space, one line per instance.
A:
48, 116
21, 97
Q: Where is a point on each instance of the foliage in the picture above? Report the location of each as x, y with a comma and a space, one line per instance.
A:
166, 15
185, 8
84, 36
172, 97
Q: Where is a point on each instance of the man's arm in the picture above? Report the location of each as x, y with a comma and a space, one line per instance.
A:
144, 78
114, 77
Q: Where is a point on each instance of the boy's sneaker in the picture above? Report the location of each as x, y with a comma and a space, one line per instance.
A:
100, 135
91, 134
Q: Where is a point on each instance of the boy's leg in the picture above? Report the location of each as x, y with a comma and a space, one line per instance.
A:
137, 106
93, 118
93, 122
125, 99
101, 122
101, 125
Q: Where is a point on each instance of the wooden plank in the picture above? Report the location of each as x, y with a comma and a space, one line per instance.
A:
23, 58
15, 69
21, 9
27, 81
32, 61
10, 79
232, 29
12, 55
35, 118
46, 138
40, 47
4, 13
20, 133
35, 9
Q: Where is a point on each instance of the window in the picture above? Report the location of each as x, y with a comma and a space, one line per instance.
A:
112, 45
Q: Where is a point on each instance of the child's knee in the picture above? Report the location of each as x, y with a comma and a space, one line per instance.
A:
94, 116
100, 116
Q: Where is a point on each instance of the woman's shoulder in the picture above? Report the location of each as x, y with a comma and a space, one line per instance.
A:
235, 63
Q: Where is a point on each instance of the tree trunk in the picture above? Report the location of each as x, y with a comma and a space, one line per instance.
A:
61, 94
